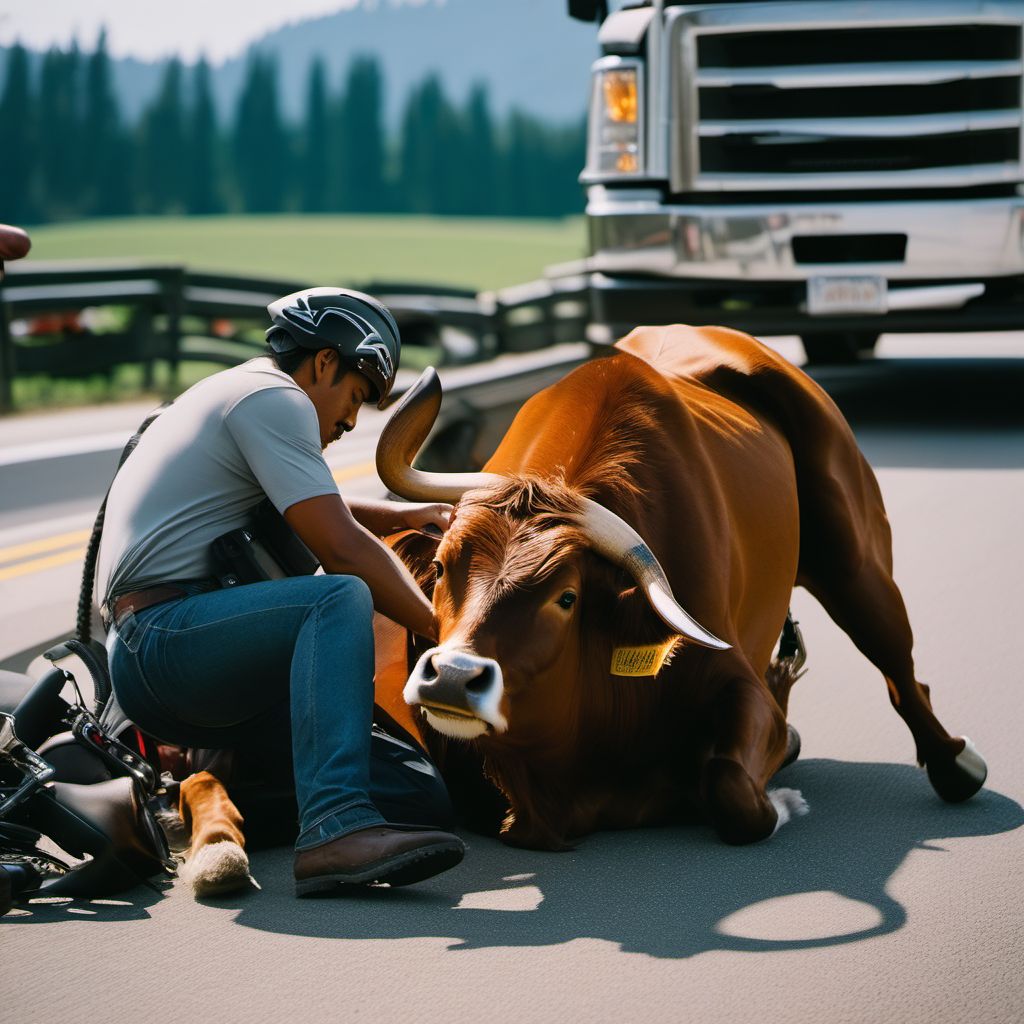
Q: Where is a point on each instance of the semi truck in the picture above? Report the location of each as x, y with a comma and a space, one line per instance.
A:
833, 170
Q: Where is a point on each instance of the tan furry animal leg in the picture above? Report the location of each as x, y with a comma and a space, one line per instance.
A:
216, 862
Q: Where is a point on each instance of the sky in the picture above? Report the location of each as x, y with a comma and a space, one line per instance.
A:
151, 29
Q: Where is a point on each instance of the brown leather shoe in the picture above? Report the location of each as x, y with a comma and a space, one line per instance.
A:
398, 855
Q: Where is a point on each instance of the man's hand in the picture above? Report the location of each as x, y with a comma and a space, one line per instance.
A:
386, 517
417, 515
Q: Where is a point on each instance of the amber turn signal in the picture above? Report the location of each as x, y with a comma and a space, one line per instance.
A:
620, 96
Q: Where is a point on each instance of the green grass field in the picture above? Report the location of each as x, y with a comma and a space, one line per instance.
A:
329, 249
317, 249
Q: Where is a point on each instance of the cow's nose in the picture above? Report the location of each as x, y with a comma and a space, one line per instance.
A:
476, 674
458, 681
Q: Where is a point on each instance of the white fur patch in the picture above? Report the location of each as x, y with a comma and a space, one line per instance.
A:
216, 869
457, 728
788, 803
971, 762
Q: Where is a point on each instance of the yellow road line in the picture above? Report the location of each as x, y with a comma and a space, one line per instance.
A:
39, 564
11, 554
352, 472
35, 547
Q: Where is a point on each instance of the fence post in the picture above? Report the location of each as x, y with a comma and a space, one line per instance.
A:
6, 358
141, 331
174, 295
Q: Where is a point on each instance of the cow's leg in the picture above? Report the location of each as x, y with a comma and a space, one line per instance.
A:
749, 746
846, 562
868, 606
216, 862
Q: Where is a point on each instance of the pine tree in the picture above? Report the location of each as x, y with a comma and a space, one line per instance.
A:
163, 154
316, 149
59, 132
360, 144
571, 154
517, 188
261, 145
205, 192
431, 176
539, 165
17, 121
481, 155
105, 150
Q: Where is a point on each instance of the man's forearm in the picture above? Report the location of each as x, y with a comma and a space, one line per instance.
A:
328, 527
394, 590
381, 518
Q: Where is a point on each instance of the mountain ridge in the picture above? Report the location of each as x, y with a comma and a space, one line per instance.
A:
530, 55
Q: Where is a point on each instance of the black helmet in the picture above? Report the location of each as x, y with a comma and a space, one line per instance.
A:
356, 326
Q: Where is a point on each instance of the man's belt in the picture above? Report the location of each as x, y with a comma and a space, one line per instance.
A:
137, 601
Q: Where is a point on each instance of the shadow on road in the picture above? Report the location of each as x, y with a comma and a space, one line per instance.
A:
955, 413
121, 907
663, 892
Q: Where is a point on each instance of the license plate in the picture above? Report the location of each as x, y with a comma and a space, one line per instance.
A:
847, 295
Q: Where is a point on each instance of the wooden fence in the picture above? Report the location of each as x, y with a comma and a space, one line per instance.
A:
172, 314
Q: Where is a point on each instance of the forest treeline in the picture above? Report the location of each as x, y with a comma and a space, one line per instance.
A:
68, 152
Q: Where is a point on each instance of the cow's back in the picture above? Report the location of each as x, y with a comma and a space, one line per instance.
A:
740, 368
833, 477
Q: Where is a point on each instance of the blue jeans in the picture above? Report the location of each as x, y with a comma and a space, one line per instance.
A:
227, 668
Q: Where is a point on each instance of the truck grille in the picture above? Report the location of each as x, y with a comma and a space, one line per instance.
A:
850, 103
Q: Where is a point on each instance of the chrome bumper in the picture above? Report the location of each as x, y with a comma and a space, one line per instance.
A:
635, 233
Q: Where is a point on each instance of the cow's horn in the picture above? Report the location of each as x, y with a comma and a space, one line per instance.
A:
401, 439
614, 538
610, 536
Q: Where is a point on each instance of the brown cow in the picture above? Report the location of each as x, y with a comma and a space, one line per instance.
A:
746, 481
566, 660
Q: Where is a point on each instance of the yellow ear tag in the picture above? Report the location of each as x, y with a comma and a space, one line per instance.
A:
641, 661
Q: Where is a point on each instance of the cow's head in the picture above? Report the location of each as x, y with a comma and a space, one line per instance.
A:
533, 582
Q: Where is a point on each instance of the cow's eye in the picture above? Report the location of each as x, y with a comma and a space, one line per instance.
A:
567, 600
438, 568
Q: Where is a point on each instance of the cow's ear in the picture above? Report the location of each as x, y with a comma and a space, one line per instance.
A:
417, 551
642, 645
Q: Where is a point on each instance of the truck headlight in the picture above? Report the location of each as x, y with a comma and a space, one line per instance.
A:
615, 136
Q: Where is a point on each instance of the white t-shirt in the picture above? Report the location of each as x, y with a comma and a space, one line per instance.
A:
201, 468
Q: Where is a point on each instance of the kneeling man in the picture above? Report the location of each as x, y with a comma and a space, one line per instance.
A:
201, 666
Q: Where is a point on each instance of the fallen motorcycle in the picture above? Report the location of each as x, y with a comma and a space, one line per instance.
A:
78, 788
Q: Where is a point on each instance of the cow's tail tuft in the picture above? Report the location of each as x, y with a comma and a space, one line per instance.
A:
781, 675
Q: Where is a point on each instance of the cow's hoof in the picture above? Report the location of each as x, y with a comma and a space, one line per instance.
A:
739, 813
792, 747
959, 778
217, 869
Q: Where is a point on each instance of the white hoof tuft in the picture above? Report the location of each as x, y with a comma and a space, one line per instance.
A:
972, 763
788, 803
216, 869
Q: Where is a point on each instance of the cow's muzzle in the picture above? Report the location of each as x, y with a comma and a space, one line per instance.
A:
459, 691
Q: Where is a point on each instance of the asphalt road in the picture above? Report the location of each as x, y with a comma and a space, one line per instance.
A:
881, 905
